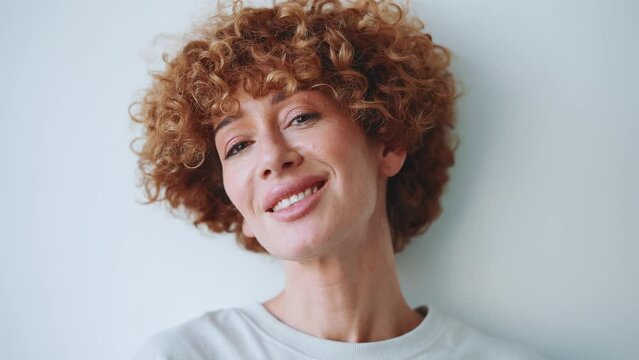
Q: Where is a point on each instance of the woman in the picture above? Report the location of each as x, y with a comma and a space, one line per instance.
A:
321, 134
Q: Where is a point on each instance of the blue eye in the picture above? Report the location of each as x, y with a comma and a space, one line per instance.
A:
237, 148
304, 118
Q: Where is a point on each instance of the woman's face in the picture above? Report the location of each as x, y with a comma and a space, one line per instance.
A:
303, 175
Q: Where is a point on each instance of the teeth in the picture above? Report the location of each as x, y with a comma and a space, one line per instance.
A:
284, 203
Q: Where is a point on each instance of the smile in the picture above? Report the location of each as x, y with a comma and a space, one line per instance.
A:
284, 203
294, 201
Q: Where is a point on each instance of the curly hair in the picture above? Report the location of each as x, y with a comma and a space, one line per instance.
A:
377, 64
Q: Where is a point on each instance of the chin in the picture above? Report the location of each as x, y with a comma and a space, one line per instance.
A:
296, 247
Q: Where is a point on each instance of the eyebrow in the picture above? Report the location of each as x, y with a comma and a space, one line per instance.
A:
279, 97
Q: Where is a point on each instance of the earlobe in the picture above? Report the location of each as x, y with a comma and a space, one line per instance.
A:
392, 161
246, 230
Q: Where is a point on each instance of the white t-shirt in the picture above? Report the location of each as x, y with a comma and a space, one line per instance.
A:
254, 333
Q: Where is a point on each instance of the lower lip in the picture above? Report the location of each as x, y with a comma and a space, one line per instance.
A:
300, 208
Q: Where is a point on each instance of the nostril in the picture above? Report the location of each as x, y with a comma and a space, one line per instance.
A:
276, 162
287, 164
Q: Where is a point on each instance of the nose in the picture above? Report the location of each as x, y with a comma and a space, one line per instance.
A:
277, 155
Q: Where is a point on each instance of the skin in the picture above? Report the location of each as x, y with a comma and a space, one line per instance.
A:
341, 279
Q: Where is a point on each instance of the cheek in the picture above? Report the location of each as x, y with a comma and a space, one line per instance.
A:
350, 156
236, 189
353, 151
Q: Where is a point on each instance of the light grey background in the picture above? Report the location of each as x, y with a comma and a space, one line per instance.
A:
538, 242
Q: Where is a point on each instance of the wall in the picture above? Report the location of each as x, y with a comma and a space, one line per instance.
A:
538, 241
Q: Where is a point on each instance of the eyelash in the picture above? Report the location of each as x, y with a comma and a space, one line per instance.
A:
306, 117
302, 118
236, 149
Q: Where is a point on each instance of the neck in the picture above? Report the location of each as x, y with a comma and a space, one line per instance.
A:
352, 295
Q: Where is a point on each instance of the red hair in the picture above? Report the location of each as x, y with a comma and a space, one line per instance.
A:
383, 70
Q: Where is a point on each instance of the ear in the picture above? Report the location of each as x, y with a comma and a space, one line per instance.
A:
391, 160
246, 230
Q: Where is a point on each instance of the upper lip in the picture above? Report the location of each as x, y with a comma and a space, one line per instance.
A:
283, 191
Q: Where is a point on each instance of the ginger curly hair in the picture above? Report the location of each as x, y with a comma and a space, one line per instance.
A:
378, 65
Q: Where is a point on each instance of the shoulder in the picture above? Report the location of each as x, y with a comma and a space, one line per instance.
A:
463, 341
200, 338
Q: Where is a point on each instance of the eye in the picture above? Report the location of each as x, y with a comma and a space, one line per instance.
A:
304, 118
237, 148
